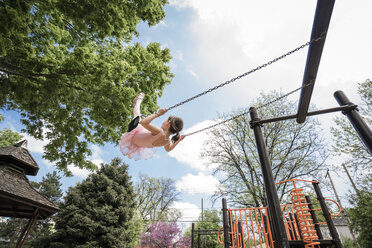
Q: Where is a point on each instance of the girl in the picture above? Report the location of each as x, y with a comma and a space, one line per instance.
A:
141, 141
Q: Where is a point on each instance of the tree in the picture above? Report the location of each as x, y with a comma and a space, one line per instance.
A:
43, 229
7, 136
347, 141
98, 212
164, 235
154, 196
210, 220
361, 215
295, 151
70, 69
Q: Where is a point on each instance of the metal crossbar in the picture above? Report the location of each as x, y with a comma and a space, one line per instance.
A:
244, 113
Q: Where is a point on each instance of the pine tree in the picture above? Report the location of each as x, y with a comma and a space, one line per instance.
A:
98, 212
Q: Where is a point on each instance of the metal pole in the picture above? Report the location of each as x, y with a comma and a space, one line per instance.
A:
327, 216
199, 237
356, 120
202, 212
342, 210
321, 22
281, 239
351, 179
312, 113
225, 224
192, 234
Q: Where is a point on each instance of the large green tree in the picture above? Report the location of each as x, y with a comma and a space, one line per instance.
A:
11, 228
346, 140
99, 212
295, 151
71, 70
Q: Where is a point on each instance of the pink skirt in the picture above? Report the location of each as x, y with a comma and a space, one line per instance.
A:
128, 148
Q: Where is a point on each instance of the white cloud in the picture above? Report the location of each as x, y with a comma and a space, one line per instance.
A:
232, 37
198, 184
76, 171
192, 72
34, 145
190, 212
188, 151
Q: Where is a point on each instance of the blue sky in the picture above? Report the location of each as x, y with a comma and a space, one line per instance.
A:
213, 41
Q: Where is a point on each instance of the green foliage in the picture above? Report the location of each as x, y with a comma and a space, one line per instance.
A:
50, 187
43, 229
7, 136
294, 150
99, 211
361, 216
348, 243
211, 220
69, 68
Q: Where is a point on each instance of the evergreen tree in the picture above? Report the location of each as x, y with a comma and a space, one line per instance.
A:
98, 212
69, 67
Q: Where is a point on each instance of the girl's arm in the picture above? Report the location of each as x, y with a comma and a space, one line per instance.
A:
169, 147
146, 123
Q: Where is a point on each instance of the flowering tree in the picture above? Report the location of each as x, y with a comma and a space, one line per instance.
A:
164, 235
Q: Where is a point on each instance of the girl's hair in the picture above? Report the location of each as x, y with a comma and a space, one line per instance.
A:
176, 125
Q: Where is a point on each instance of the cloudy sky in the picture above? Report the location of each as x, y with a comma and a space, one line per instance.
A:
212, 41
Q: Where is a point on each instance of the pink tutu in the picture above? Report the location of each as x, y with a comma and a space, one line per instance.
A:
130, 149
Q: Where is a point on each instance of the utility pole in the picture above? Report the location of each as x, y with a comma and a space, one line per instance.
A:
351, 180
342, 210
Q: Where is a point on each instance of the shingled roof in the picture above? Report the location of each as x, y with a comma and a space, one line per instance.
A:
17, 155
17, 196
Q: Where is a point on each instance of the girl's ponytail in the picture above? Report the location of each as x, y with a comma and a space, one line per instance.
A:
176, 125
175, 137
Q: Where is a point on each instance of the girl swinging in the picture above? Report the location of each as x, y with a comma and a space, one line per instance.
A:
141, 142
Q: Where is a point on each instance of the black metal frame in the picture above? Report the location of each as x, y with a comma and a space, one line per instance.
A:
321, 22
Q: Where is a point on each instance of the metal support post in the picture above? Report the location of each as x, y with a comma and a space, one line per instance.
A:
327, 216
199, 243
192, 234
225, 224
281, 239
356, 120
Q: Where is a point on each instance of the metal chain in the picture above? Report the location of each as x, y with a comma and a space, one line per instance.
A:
259, 107
248, 72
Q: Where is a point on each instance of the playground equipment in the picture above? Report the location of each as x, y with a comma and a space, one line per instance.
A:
252, 227
295, 224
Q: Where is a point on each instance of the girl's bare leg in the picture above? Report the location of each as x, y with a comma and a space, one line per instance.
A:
137, 104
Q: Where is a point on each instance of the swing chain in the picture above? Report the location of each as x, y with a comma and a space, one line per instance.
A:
249, 72
259, 107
